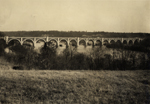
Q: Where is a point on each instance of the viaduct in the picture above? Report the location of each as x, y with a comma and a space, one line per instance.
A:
68, 40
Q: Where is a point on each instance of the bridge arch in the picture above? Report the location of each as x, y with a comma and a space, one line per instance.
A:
90, 42
73, 42
62, 39
98, 43
14, 42
53, 43
112, 42
28, 42
53, 40
125, 42
118, 42
28, 39
63, 42
106, 42
136, 42
130, 42
82, 42
40, 40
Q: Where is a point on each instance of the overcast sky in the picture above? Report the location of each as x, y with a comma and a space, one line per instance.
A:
75, 15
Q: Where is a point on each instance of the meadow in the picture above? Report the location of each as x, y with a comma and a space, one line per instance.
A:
28, 77
74, 87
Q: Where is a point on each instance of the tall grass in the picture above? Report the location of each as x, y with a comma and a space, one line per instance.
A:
74, 87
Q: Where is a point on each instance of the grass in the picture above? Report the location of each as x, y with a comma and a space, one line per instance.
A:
74, 87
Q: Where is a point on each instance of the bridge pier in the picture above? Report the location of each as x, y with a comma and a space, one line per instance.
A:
94, 43
58, 42
78, 42
127, 42
6, 39
102, 41
67, 42
122, 40
47, 39
21, 41
34, 41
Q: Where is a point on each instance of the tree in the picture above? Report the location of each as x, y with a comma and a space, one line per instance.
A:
146, 43
47, 57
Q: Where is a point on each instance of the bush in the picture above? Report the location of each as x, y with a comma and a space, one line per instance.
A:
2, 46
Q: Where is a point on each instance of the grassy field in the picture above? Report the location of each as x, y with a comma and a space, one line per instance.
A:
74, 87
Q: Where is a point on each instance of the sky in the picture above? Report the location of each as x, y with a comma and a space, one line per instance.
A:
75, 15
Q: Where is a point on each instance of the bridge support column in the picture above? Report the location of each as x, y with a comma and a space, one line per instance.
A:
127, 42
102, 41
86, 41
67, 45
122, 40
78, 42
34, 42
21, 41
109, 41
58, 42
47, 39
6, 39
94, 43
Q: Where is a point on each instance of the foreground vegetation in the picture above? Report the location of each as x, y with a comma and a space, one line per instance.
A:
74, 87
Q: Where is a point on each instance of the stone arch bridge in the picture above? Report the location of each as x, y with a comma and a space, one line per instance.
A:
102, 41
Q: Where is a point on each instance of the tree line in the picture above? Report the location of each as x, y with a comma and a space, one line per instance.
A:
55, 33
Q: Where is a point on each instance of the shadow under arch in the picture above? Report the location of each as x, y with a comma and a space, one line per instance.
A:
63, 43
98, 43
40, 40
28, 43
90, 43
73, 43
52, 43
112, 42
125, 42
136, 42
82, 42
130, 42
118, 43
13, 42
106, 42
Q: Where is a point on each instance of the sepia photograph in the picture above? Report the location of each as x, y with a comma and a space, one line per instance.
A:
74, 51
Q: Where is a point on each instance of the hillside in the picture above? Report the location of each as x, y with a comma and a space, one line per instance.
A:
71, 34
